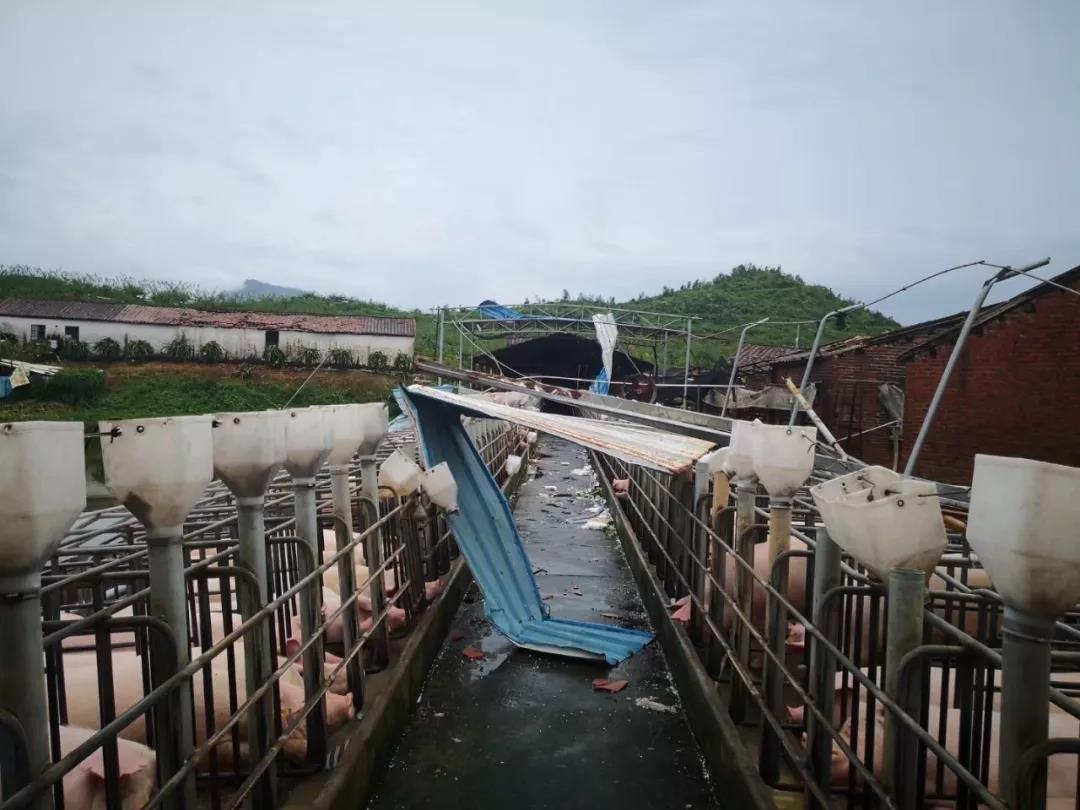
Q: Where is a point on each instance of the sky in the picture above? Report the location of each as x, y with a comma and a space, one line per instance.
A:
427, 153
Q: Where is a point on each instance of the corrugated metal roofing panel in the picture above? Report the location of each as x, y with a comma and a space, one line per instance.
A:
182, 316
75, 310
635, 444
488, 537
339, 324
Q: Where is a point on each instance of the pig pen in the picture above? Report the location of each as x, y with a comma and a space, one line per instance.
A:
113, 685
785, 659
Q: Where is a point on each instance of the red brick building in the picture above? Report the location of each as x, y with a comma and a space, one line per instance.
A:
850, 375
1014, 392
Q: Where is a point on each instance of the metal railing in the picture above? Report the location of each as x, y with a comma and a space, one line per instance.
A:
104, 648
796, 635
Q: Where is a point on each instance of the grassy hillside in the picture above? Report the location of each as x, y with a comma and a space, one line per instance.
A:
745, 294
174, 389
749, 293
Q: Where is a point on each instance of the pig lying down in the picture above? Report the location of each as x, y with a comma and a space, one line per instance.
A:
84, 785
81, 679
1061, 773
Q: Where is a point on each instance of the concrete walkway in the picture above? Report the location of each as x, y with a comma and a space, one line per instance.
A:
519, 729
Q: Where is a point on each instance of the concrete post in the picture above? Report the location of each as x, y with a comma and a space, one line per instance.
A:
1025, 716
168, 602
307, 528
373, 553
744, 585
258, 650
22, 689
904, 632
827, 575
343, 534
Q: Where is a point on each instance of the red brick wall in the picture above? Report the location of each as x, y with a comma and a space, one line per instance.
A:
1014, 392
847, 397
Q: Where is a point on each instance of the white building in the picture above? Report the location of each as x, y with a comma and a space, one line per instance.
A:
240, 334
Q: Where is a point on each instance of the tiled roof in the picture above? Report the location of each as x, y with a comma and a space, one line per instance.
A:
177, 316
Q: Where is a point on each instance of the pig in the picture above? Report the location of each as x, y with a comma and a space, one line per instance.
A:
84, 785
81, 685
1061, 774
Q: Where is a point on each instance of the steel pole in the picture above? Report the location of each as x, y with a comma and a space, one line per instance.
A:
686, 371
439, 339
698, 628
22, 689
1025, 715
373, 553
168, 602
827, 575
954, 357
813, 354
258, 650
903, 632
735, 363
307, 530
744, 586
343, 534
775, 635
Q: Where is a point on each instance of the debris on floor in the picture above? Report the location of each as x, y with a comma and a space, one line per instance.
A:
613, 687
601, 521
654, 705
473, 654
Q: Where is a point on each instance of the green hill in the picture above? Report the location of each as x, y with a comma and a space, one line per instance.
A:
749, 293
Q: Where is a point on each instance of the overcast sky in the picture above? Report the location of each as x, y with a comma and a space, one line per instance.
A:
446, 152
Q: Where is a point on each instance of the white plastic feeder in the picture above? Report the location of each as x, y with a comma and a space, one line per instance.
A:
441, 487
717, 460
740, 456
883, 520
249, 450
308, 440
400, 474
512, 464
1023, 523
158, 468
42, 491
347, 429
375, 426
783, 456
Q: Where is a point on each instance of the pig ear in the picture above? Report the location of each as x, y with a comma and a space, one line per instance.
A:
292, 646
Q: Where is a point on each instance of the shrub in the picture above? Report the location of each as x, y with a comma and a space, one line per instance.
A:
211, 352
138, 351
273, 356
377, 361
69, 386
340, 358
74, 350
402, 363
180, 348
107, 349
307, 356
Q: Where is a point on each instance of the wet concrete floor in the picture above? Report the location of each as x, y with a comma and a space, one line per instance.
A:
524, 730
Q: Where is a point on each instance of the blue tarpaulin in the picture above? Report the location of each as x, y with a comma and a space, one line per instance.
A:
601, 384
497, 312
488, 537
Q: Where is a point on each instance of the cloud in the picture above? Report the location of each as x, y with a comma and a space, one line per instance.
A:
422, 154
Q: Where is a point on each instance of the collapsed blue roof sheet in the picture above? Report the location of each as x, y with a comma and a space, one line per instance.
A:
497, 312
488, 537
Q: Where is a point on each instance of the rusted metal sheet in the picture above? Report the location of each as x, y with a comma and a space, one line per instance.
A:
60, 310
182, 316
634, 444
703, 426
